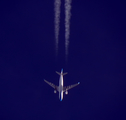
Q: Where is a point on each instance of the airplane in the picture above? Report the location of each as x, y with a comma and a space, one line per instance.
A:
61, 88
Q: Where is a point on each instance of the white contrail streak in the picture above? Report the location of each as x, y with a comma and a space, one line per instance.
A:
67, 24
57, 5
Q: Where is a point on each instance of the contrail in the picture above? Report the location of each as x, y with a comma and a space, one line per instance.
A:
57, 5
67, 24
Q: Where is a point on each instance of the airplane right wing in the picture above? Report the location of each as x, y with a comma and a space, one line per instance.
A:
70, 86
52, 85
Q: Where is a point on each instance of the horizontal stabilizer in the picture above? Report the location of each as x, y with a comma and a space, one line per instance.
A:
65, 73
60, 73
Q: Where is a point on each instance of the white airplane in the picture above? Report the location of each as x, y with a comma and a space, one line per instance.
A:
61, 88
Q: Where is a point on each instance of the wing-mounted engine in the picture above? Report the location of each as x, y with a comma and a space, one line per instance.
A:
66, 92
54, 91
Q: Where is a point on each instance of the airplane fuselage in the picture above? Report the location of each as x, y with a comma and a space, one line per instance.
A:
61, 86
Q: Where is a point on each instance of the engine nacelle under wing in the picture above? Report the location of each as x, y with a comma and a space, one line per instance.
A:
66, 92
54, 91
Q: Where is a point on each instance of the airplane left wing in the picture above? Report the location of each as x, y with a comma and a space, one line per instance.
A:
52, 85
70, 86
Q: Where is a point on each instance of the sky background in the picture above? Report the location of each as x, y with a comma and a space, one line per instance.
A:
97, 59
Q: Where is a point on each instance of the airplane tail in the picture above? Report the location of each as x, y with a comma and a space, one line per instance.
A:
60, 73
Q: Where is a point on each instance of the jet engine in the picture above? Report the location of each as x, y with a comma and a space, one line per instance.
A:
66, 92
54, 91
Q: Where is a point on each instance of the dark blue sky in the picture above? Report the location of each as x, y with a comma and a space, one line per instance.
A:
97, 58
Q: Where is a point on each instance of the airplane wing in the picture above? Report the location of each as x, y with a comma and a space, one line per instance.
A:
70, 86
52, 85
